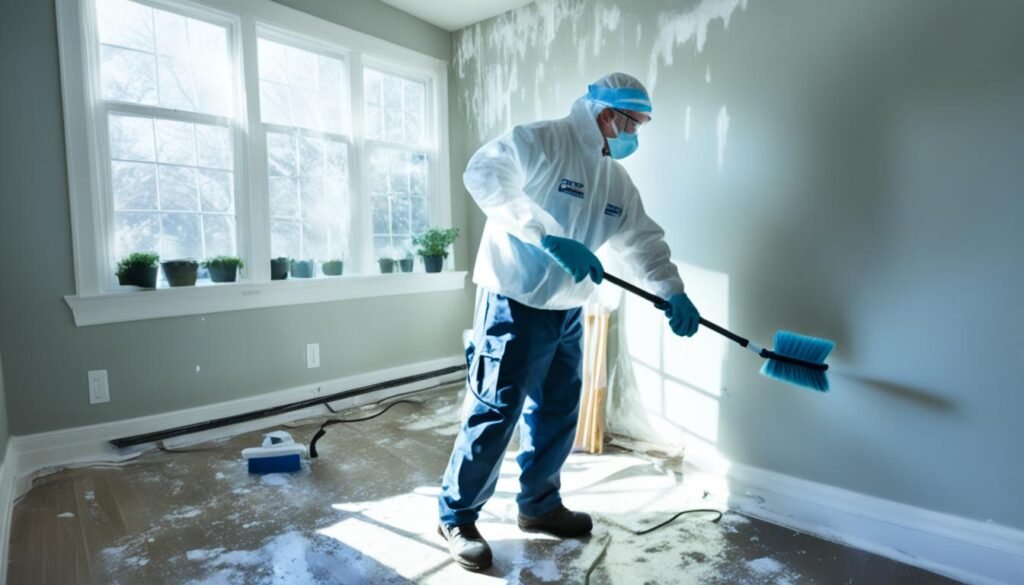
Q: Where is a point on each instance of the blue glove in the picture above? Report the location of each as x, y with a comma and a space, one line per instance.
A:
574, 257
682, 315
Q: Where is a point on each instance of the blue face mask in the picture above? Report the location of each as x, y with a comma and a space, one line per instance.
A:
622, 145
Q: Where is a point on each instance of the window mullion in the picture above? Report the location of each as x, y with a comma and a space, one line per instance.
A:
360, 204
258, 200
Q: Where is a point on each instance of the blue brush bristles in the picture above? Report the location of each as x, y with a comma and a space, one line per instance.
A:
809, 349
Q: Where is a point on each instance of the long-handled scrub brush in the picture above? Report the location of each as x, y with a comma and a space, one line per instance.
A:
796, 359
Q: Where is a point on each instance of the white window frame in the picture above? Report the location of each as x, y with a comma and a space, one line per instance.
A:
97, 299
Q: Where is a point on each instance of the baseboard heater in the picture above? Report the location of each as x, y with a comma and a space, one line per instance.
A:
258, 414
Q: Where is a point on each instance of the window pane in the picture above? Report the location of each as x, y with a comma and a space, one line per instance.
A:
399, 198
281, 155
213, 147
219, 232
284, 197
336, 161
311, 156
284, 238
215, 190
131, 138
381, 216
301, 88
273, 61
187, 196
420, 215
128, 75
372, 87
134, 186
136, 232
274, 105
125, 24
175, 143
156, 57
182, 237
308, 182
178, 189
396, 108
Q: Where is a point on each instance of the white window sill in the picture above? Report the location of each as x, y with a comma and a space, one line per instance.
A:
134, 305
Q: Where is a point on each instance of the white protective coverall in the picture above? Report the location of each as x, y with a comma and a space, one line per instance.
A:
551, 178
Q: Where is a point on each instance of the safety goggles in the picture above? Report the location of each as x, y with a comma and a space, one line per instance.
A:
633, 125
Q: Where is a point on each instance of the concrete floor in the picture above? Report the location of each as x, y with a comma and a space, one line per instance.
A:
365, 512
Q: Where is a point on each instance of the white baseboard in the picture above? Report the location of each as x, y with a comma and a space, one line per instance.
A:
967, 550
32, 455
6, 507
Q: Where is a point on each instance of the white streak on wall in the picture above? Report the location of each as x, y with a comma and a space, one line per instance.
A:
605, 19
707, 75
678, 29
723, 132
505, 43
538, 81
639, 34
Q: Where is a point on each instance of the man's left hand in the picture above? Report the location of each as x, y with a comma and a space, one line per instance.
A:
682, 315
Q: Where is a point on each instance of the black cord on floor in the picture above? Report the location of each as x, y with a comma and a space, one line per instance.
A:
608, 537
670, 520
335, 421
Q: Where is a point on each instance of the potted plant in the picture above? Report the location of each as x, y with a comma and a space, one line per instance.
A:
387, 265
302, 268
278, 268
333, 267
138, 269
223, 268
180, 272
405, 264
433, 246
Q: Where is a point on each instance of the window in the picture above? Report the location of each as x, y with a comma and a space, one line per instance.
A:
395, 114
166, 88
199, 128
302, 99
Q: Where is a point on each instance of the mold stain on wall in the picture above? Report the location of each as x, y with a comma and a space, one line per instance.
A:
492, 59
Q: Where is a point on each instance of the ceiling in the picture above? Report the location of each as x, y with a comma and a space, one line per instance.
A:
452, 15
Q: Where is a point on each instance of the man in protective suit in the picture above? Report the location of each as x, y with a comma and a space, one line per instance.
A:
553, 192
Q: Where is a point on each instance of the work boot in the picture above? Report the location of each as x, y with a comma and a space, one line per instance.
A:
559, 522
466, 546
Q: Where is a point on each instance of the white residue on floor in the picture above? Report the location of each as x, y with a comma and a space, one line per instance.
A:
275, 479
184, 513
765, 565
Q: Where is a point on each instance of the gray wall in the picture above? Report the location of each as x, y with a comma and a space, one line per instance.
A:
152, 364
5, 432
868, 190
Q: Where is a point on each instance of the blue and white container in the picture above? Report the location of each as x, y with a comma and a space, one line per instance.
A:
278, 454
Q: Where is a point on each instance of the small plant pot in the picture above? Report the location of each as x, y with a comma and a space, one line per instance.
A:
387, 265
223, 272
180, 272
334, 268
278, 268
433, 263
405, 264
302, 268
142, 276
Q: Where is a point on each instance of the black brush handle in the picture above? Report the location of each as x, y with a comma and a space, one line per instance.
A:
663, 304
742, 341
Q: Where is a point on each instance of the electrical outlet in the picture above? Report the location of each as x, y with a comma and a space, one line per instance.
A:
312, 355
99, 389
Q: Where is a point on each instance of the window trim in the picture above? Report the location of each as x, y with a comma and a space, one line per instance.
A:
247, 20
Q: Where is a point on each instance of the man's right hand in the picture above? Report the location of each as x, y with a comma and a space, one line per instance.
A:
574, 257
